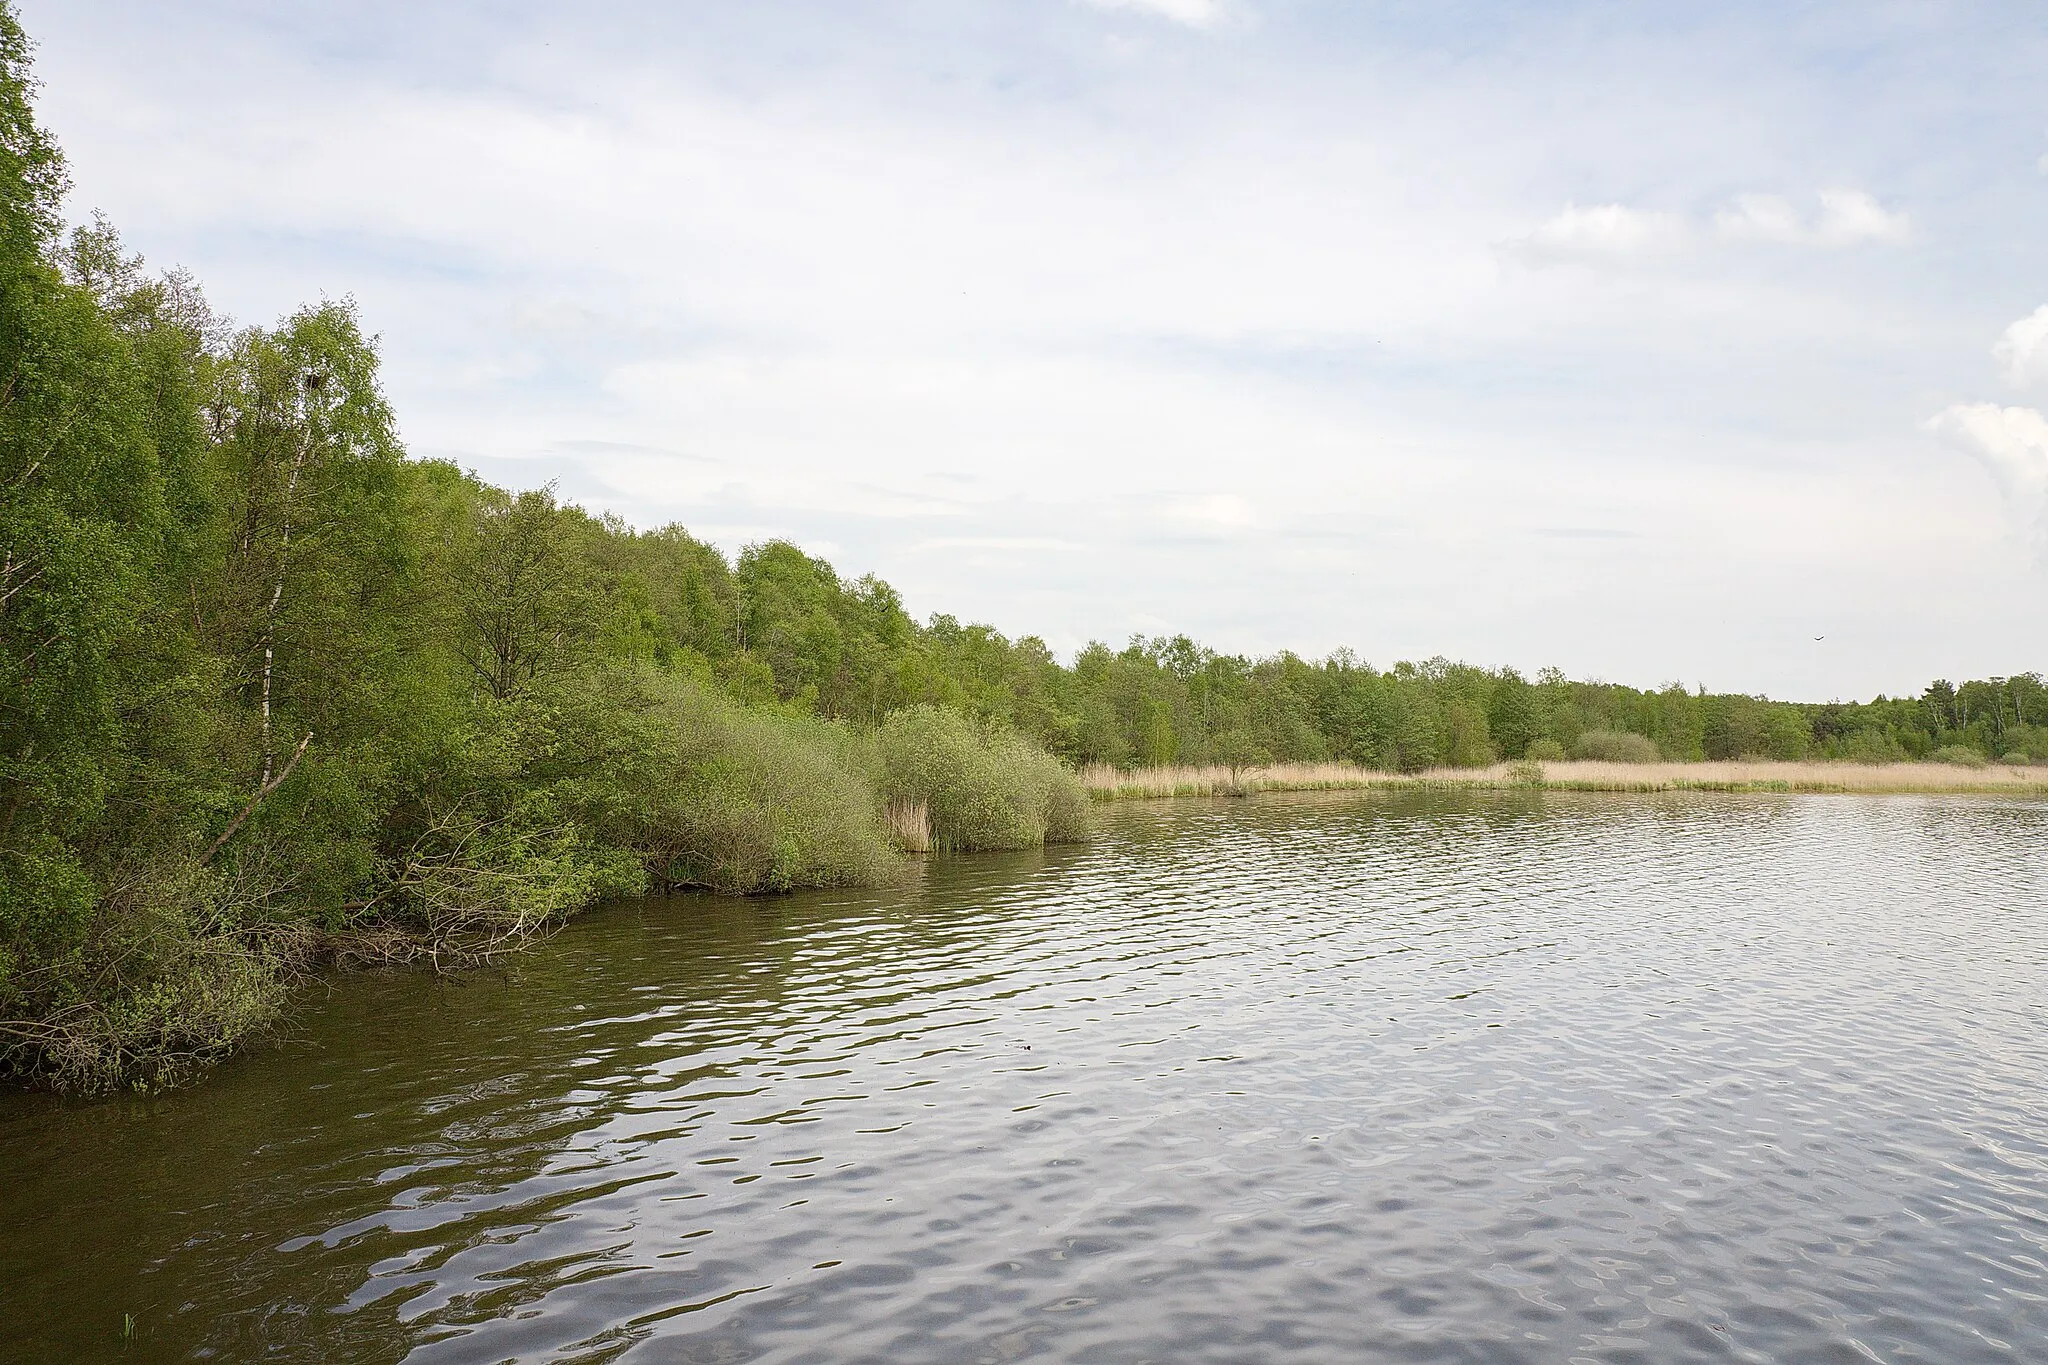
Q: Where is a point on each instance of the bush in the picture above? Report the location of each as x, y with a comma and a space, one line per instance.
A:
182, 968
1872, 746
1616, 746
1544, 751
2017, 760
1962, 755
1069, 818
758, 801
984, 788
2030, 740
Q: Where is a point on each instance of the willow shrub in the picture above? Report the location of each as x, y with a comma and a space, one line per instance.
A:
984, 788
176, 970
1616, 746
743, 800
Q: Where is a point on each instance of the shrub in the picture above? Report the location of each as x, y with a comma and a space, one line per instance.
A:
1544, 751
1872, 746
1962, 755
984, 788
700, 790
1616, 746
2017, 760
1069, 818
183, 966
756, 801
1787, 733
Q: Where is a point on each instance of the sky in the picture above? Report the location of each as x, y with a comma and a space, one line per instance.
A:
1649, 341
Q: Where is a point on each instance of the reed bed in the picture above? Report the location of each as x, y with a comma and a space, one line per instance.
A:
1105, 783
910, 824
1753, 775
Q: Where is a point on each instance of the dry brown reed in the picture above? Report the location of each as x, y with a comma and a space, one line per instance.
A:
910, 823
1114, 784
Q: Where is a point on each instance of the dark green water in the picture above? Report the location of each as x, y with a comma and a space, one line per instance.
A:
1454, 1078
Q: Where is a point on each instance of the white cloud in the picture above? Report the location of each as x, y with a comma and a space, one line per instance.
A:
1193, 13
1846, 218
1616, 231
2023, 349
1601, 230
1214, 513
1761, 217
2012, 445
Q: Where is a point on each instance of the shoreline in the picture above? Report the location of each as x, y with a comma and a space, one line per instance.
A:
1105, 784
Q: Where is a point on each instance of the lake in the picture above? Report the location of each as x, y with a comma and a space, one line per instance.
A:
1500, 1077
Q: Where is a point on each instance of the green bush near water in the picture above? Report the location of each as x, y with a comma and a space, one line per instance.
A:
524, 809
741, 800
984, 788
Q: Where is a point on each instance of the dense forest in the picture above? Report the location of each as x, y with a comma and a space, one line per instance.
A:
272, 691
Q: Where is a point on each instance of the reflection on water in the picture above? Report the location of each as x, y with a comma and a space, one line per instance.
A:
1454, 1077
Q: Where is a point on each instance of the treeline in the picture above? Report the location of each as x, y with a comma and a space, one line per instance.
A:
1171, 701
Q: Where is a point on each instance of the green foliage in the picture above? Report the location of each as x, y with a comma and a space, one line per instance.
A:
739, 800
1962, 755
32, 179
1467, 743
527, 596
1615, 746
1513, 716
985, 788
178, 966
1868, 746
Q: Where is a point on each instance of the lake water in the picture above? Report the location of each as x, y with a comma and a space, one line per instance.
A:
1338, 1078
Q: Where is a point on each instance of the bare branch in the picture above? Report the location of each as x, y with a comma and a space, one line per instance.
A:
266, 789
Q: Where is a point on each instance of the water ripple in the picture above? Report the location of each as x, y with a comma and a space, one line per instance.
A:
1421, 1078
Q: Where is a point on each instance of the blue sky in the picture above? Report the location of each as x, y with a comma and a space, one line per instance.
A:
1650, 341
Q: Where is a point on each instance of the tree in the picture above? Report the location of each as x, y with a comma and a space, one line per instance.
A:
1511, 714
82, 520
526, 596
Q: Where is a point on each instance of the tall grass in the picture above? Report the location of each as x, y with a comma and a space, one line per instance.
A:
910, 823
1114, 784
1104, 783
